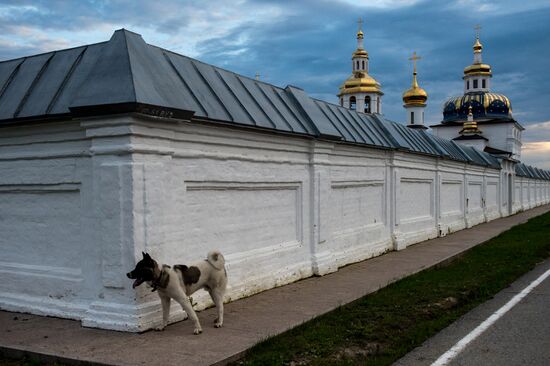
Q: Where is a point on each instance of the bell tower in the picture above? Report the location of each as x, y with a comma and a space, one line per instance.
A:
477, 76
361, 91
414, 101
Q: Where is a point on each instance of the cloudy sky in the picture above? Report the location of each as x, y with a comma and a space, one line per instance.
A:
309, 44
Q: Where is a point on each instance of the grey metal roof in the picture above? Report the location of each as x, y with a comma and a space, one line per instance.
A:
354, 127
523, 170
127, 74
411, 139
450, 147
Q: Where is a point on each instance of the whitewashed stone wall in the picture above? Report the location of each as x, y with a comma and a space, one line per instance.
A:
80, 200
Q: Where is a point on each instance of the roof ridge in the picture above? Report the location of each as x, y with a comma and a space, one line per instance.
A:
132, 76
112, 63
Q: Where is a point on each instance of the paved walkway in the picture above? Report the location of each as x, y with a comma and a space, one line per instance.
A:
247, 321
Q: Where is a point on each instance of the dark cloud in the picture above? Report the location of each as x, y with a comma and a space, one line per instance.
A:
312, 48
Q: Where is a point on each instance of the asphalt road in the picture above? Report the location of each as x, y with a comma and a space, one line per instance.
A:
520, 337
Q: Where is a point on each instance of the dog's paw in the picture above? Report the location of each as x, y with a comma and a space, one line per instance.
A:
218, 325
160, 328
197, 331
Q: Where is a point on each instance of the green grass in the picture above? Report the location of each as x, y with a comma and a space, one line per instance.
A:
20, 362
380, 328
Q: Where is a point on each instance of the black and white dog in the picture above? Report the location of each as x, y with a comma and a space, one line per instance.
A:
181, 281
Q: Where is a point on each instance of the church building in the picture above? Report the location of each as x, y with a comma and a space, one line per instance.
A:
118, 147
361, 91
479, 117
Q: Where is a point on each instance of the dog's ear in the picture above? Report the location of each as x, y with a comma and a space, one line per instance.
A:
143, 254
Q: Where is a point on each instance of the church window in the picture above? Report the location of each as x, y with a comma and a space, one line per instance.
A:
357, 68
378, 105
367, 104
475, 84
412, 118
352, 103
341, 102
483, 83
468, 85
363, 64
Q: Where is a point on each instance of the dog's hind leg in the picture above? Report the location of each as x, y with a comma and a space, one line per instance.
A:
217, 297
183, 300
165, 301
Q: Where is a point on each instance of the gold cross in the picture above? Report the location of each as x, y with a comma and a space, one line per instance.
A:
477, 28
257, 76
413, 59
360, 22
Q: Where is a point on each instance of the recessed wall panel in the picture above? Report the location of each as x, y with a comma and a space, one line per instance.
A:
240, 217
451, 197
474, 195
416, 199
355, 205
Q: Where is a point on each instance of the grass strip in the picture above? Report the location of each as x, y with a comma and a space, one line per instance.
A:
383, 326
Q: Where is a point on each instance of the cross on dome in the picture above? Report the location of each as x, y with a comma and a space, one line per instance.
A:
477, 28
360, 28
414, 58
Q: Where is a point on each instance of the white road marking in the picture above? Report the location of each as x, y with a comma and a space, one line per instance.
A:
445, 358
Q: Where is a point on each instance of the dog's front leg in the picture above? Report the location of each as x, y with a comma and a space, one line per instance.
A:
165, 301
183, 300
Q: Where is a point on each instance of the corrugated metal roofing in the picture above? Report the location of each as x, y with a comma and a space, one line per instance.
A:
355, 127
126, 71
413, 140
450, 147
523, 170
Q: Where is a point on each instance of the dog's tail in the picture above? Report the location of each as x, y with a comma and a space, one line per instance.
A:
216, 259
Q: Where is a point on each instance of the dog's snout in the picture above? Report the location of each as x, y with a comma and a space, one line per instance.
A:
129, 274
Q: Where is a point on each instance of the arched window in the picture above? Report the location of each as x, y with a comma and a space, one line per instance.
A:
363, 64
467, 84
341, 102
367, 104
475, 83
412, 118
378, 105
483, 83
352, 103
357, 67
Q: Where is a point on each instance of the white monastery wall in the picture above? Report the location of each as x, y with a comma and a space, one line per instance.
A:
80, 200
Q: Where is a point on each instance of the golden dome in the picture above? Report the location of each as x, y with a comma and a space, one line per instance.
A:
415, 95
477, 46
478, 69
470, 126
360, 82
360, 53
